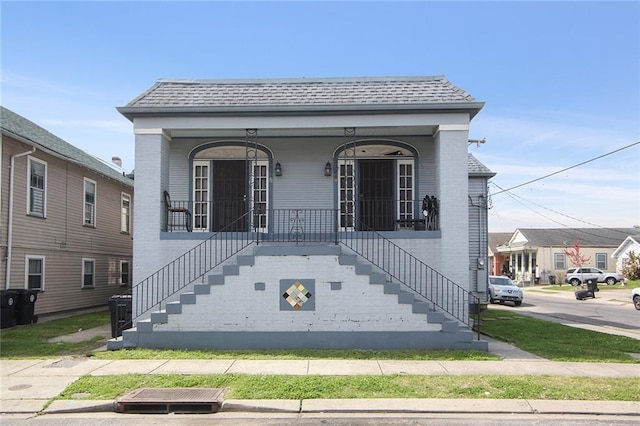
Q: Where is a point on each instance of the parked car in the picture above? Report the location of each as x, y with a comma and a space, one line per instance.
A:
635, 296
576, 276
502, 289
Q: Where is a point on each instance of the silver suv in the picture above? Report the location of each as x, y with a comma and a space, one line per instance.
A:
576, 276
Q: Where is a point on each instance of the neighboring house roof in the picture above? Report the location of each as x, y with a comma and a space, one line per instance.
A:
26, 131
631, 243
302, 95
497, 239
565, 237
477, 169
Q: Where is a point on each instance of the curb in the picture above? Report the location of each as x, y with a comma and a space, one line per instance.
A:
392, 405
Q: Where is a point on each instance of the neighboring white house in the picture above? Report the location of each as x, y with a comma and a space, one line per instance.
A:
329, 213
621, 254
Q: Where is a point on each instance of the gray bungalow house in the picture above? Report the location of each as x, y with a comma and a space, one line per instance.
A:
65, 220
307, 213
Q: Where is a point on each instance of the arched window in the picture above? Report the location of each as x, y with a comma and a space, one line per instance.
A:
228, 180
377, 185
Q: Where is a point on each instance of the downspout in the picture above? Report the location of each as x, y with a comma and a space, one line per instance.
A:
10, 224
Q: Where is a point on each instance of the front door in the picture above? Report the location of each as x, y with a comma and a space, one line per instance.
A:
229, 195
376, 205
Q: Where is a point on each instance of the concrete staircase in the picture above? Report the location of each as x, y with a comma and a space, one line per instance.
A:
197, 319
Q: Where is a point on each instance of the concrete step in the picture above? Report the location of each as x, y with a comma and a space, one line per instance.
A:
202, 288
188, 298
159, 317
391, 288
173, 308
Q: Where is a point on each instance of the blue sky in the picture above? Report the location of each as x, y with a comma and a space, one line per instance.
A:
561, 80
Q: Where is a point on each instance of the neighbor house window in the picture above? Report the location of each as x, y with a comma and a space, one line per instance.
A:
37, 188
88, 273
125, 274
34, 272
560, 261
125, 216
89, 202
601, 261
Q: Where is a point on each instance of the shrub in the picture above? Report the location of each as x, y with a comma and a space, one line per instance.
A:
631, 270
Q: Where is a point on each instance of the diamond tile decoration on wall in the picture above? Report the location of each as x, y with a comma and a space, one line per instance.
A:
297, 295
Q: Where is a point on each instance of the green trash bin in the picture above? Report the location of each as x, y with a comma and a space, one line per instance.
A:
120, 309
26, 306
8, 300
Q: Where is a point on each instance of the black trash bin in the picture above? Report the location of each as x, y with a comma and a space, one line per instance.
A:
592, 285
552, 279
8, 299
120, 308
26, 306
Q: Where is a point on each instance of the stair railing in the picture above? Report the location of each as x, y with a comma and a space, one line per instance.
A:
155, 290
454, 300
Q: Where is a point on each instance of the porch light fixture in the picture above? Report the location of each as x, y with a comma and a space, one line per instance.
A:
327, 169
278, 169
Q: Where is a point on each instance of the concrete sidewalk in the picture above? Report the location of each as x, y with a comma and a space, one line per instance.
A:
28, 385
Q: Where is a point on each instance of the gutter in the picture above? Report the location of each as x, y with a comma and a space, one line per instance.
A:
130, 112
10, 224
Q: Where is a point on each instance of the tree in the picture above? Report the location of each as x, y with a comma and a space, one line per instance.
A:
575, 257
631, 270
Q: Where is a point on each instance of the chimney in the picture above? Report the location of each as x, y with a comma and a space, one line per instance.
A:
117, 161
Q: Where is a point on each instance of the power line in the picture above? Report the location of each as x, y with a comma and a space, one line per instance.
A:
568, 168
517, 198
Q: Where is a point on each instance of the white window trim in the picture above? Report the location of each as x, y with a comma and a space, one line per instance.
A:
127, 230
411, 203
93, 284
84, 202
122, 262
27, 258
606, 261
265, 164
204, 206
30, 160
348, 201
555, 261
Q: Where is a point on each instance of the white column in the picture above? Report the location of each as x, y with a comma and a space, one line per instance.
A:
452, 177
151, 178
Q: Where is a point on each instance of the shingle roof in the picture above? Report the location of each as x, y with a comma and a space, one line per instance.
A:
497, 239
303, 94
476, 168
587, 237
18, 126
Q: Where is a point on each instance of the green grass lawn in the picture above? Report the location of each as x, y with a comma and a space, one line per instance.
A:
557, 342
550, 340
628, 286
342, 387
31, 341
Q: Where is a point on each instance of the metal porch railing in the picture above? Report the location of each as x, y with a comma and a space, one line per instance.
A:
297, 226
370, 214
401, 265
159, 287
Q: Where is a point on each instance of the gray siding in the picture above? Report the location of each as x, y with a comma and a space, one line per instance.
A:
478, 233
61, 237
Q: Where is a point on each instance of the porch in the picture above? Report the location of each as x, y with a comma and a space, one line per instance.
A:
296, 225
